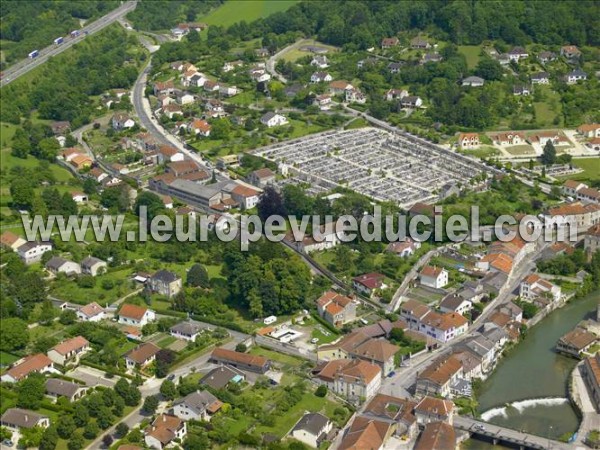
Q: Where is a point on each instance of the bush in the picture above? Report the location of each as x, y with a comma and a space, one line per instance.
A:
321, 391
241, 347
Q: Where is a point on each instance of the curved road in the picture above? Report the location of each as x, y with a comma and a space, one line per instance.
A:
22, 67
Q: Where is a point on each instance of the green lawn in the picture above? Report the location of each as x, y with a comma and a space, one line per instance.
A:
520, 150
249, 10
7, 359
357, 123
277, 357
591, 170
69, 290
471, 53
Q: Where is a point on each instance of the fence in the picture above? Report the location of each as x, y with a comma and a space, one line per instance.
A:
288, 349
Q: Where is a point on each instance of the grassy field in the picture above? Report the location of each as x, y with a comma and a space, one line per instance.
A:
295, 52
519, 150
471, 53
591, 170
249, 10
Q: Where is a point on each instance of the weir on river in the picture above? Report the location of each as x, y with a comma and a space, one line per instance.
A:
528, 390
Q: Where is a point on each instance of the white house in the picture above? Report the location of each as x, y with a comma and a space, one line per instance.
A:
435, 277
540, 78
16, 418
136, 315
455, 303
92, 312
320, 61
56, 265
31, 252
354, 380
443, 327
272, 119
199, 405
534, 286
403, 249
473, 81
93, 266
575, 76
188, 330
121, 121
572, 187
141, 356
38, 363
320, 77
312, 429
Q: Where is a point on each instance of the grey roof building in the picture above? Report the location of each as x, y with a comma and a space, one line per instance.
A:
61, 388
221, 376
23, 418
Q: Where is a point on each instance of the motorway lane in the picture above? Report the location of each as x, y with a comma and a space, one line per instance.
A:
22, 67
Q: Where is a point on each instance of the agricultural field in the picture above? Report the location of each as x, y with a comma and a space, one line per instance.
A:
591, 170
234, 11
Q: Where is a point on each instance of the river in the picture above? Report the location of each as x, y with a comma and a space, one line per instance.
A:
532, 379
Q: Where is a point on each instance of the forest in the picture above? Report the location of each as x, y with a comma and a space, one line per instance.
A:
163, 15
29, 25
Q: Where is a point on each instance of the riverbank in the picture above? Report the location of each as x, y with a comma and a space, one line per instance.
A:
529, 388
579, 394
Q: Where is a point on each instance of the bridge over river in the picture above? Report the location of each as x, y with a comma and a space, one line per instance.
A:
508, 437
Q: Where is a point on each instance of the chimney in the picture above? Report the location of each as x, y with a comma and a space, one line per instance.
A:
164, 418
26, 418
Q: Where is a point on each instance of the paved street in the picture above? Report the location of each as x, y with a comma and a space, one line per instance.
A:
591, 418
22, 67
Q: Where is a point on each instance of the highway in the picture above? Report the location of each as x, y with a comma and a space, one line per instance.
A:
22, 67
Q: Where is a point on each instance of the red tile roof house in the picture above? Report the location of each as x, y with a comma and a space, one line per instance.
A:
389, 42
240, 360
434, 277
367, 433
468, 140
337, 309
403, 249
39, 363
91, 312
438, 377
535, 286
368, 283
136, 315
164, 430
69, 350
379, 352
141, 356
354, 380
432, 409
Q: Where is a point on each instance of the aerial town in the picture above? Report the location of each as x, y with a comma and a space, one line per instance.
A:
119, 118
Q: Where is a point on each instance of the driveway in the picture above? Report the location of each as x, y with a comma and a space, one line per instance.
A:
92, 377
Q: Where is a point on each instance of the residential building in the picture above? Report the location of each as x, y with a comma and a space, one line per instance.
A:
509, 138
395, 94
411, 102
521, 90
570, 51
201, 127
240, 360
398, 411
366, 433
571, 187
468, 140
534, 286
438, 377
79, 197
354, 380
591, 376
188, 330
320, 61
122, 121
395, 67
546, 57
454, 303
589, 130
272, 119
164, 430
437, 436
591, 241
165, 283
378, 352
138, 316
141, 356
343, 348
337, 309
323, 101
199, 405
261, 177
540, 78
432, 409
320, 77
473, 81
245, 196
355, 96
56, 265
578, 215
517, 53
69, 350
221, 376
92, 312
339, 87
16, 418
443, 327
404, 249
312, 429
93, 266
368, 283
389, 42
10, 240
31, 252
575, 75
576, 342
57, 388
420, 43
229, 66
434, 277
38, 363
414, 312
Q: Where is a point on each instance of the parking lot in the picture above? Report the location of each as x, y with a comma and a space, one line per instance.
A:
373, 162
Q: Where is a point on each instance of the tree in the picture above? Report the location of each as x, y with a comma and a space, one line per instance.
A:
48, 313
168, 390
15, 334
197, 276
549, 155
151, 201
241, 347
321, 391
65, 426
121, 430
80, 414
220, 129
104, 417
107, 440
150, 404
22, 193
77, 442
489, 69
91, 430
270, 204
31, 392
67, 317
49, 439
